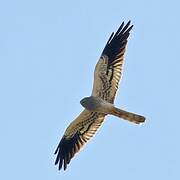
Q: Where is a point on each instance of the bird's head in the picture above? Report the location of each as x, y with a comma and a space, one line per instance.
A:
90, 103
84, 101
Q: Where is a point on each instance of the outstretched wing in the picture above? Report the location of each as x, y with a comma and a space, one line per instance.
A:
76, 135
108, 70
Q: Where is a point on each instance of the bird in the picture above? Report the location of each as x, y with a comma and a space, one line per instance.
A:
107, 74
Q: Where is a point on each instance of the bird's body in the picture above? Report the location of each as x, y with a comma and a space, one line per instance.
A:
96, 104
99, 105
107, 75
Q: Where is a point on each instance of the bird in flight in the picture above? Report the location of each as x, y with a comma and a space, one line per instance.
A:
107, 74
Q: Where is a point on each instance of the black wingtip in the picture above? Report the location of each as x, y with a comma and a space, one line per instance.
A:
118, 40
129, 22
126, 28
110, 38
66, 150
123, 28
119, 29
56, 150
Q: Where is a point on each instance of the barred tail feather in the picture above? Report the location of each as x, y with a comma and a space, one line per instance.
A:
135, 118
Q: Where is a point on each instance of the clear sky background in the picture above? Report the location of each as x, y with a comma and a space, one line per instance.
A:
48, 51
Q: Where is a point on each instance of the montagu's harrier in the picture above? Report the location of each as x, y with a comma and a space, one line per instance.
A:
107, 74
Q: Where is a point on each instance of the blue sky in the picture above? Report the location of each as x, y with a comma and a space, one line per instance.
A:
48, 51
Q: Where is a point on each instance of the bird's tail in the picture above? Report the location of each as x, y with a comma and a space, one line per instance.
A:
135, 118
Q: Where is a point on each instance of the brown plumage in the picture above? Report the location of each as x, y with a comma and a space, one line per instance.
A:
107, 75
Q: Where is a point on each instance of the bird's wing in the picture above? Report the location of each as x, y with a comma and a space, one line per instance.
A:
108, 70
76, 135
